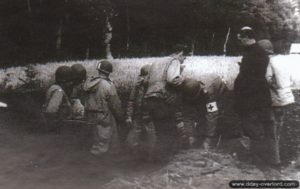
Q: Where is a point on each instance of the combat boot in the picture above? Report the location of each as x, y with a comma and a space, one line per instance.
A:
297, 163
208, 144
99, 149
184, 142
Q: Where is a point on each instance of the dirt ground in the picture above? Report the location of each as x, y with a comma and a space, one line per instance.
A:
31, 158
35, 160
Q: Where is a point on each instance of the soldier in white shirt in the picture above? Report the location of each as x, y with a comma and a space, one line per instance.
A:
281, 94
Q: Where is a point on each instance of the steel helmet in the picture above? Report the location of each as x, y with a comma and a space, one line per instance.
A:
105, 67
145, 70
78, 72
266, 45
191, 88
63, 74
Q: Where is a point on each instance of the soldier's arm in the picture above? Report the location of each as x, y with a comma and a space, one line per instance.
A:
134, 94
211, 115
269, 74
55, 102
213, 94
174, 77
270, 77
130, 103
114, 104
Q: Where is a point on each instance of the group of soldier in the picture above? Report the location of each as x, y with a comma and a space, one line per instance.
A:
165, 110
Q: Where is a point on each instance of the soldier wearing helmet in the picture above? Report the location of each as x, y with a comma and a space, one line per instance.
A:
162, 102
103, 108
57, 105
136, 118
79, 73
202, 104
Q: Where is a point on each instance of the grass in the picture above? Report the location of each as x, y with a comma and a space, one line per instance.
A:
204, 68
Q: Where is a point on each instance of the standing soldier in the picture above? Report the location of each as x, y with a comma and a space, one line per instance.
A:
162, 102
136, 117
103, 108
202, 103
252, 95
57, 105
282, 96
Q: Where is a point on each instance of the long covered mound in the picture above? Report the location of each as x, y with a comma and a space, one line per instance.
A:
204, 68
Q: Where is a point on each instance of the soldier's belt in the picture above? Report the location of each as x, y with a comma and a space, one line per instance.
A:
94, 111
75, 121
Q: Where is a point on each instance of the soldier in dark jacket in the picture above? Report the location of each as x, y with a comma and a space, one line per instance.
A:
252, 94
142, 129
201, 108
103, 108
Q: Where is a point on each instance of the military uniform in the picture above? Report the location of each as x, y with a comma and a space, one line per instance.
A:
142, 127
201, 108
162, 102
103, 111
57, 106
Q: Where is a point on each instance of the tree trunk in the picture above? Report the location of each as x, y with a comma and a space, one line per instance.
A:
212, 42
67, 14
226, 41
87, 53
193, 48
108, 33
29, 6
64, 19
128, 26
59, 38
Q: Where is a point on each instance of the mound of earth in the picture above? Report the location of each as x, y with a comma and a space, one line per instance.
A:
200, 169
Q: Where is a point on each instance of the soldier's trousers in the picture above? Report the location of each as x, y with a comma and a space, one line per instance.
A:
278, 117
165, 118
279, 114
261, 128
102, 138
142, 136
104, 135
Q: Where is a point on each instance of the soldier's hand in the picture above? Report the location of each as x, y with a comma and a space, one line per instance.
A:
177, 81
139, 81
129, 122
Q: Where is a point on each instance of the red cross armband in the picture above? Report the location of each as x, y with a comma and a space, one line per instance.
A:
211, 107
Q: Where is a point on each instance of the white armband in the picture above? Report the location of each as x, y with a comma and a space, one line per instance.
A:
212, 107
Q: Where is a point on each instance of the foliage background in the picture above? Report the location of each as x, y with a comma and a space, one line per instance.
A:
58, 30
